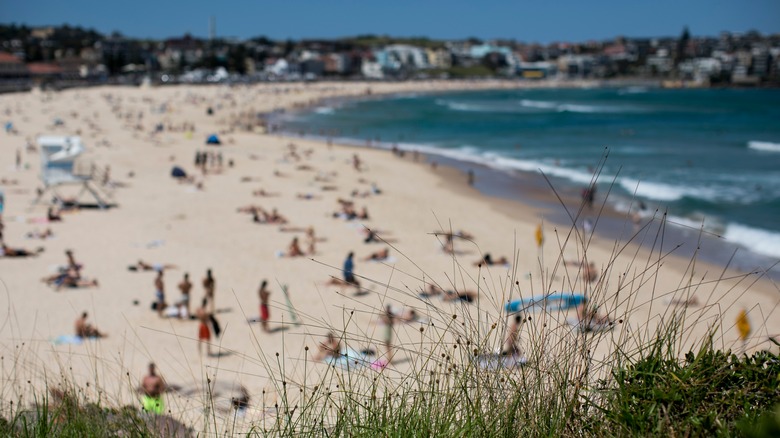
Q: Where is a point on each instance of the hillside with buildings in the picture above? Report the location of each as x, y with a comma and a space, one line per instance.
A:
70, 56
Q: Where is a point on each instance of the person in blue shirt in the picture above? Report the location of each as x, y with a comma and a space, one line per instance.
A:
349, 267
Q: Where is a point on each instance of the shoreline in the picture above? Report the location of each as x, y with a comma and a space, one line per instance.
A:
514, 185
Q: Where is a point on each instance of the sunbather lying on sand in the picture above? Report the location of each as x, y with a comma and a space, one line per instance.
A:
408, 316
329, 349
6, 251
69, 277
378, 256
263, 193
488, 260
43, 235
372, 236
143, 266
589, 271
449, 295
692, 302
588, 315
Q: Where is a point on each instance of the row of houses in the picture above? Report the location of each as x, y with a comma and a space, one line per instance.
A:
748, 59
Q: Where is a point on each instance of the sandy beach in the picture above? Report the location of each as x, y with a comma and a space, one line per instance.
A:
196, 226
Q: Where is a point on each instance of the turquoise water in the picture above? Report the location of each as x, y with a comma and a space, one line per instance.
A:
706, 155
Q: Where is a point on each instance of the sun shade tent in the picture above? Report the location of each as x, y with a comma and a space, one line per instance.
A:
58, 167
178, 172
213, 139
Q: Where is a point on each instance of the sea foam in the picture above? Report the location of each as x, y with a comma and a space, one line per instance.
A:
756, 239
764, 146
324, 110
529, 105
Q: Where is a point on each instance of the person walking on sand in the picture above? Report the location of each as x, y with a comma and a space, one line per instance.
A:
349, 270
388, 318
152, 387
209, 284
264, 293
204, 334
159, 293
184, 305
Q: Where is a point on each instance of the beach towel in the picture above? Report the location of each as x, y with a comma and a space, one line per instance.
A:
496, 361
562, 301
350, 359
67, 340
390, 259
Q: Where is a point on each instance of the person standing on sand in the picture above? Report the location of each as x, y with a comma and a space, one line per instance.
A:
209, 284
152, 387
204, 334
311, 240
388, 318
263, 293
184, 305
349, 270
159, 293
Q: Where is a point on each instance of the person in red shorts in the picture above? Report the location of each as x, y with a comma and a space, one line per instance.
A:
264, 314
204, 334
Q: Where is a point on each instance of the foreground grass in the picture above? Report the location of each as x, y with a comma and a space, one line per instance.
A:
707, 393
646, 384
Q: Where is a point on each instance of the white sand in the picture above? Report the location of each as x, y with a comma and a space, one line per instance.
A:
201, 229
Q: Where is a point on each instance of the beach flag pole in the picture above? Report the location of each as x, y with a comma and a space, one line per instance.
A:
290, 308
743, 325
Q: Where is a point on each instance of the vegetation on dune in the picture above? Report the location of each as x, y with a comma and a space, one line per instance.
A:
708, 393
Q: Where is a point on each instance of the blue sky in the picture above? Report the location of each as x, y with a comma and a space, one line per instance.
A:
540, 20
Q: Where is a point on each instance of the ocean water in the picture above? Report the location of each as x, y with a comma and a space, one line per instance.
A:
709, 157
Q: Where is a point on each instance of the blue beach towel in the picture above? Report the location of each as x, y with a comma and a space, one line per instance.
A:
561, 301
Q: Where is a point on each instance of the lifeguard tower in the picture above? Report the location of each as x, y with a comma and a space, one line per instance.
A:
58, 169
